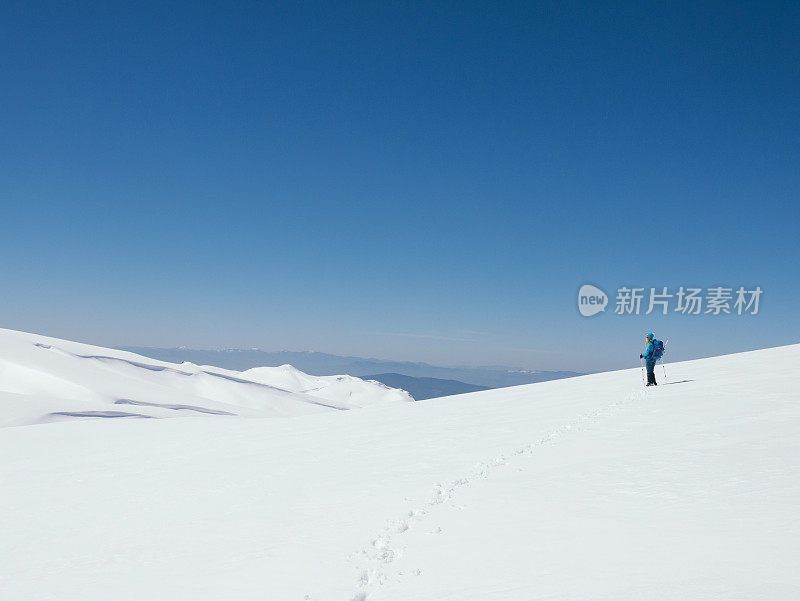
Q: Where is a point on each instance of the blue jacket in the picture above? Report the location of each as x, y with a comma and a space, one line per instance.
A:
649, 352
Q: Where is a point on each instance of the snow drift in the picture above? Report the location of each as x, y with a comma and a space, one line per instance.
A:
591, 488
45, 379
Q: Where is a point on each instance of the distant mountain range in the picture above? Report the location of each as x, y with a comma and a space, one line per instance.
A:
323, 364
425, 388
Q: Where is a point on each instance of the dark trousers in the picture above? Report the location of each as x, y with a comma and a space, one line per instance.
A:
651, 372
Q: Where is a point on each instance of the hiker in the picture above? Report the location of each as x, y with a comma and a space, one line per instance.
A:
651, 354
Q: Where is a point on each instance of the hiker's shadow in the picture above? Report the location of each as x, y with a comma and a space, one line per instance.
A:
678, 382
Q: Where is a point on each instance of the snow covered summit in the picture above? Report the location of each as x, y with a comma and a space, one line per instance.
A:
338, 389
586, 489
45, 379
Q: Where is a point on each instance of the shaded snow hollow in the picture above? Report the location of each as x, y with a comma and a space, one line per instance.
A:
591, 488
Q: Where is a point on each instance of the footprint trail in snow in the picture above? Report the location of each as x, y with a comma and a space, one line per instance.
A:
385, 548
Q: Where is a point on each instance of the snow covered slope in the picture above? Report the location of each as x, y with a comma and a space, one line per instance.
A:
591, 488
339, 389
45, 379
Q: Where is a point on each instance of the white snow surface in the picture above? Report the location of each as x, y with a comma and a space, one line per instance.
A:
46, 379
590, 488
339, 389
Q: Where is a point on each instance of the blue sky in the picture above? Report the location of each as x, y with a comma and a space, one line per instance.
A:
422, 181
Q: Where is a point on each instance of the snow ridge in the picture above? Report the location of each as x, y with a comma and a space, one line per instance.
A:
45, 379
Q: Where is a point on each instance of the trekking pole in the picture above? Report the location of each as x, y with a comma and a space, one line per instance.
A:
662, 361
641, 361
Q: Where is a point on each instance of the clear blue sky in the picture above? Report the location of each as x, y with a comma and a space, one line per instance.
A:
423, 181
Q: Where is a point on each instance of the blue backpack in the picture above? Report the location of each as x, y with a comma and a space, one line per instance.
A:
658, 349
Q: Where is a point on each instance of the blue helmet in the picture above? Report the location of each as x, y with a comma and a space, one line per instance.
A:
650, 335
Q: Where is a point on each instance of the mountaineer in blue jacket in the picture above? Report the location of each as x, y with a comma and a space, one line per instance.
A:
650, 357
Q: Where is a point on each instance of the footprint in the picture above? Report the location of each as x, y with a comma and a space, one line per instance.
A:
441, 494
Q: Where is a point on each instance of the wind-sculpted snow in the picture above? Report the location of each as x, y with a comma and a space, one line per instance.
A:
175, 407
345, 389
44, 379
585, 489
